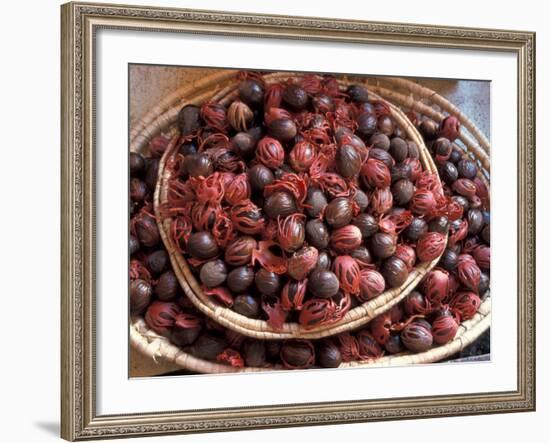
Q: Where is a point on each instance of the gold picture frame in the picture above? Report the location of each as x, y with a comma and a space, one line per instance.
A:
80, 21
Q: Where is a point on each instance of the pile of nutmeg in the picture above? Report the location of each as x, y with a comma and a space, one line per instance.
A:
297, 202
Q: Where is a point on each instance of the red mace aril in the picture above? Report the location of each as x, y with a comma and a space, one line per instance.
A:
203, 215
423, 202
273, 308
237, 190
301, 156
371, 284
381, 201
482, 191
381, 327
407, 254
458, 231
247, 217
345, 239
449, 128
368, 347
444, 327
302, 262
430, 246
348, 272
465, 304
333, 184
468, 272
161, 316
214, 115
376, 173
223, 231
291, 232
220, 294
239, 251
293, 294
436, 286
273, 114
416, 167
482, 256
316, 311
270, 257
416, 303
231, 357
239, 115
465, 187
349, 348
273, 96
270, 152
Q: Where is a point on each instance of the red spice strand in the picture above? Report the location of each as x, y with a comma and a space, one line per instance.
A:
401, 220
158, 145
139, 271
161, 316
450, 128
430, 246
468, 272
371, 284
465, 304
369, 349
208, 189
436, 286
349, 348
187, 321
252, 75
237, 190
381, 108
416, 167
214, 115
407, 254
221, 294
482, 191
423, 202
267, 259
295, 184
310, 83
444, 328
458, 234
381, 328
203, 215
316, 312
293, 294
273, 96
348, 272
381, 201
376, 173
276, 315
231, 357
212, 140
223, 230
247, 218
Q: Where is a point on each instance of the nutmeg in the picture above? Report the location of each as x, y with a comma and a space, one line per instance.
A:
297, 354
394, 271
213, 273
267, 282
280, 204
247, 305
167, 286
382, 245
338, 212
328, 355
240, 279
316, 202
323, 283
317, 234
140, 296
202, 245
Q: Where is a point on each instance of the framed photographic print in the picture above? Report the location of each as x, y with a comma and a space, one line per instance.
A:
265, 214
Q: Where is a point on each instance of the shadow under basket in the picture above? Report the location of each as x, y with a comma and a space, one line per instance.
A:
221, 87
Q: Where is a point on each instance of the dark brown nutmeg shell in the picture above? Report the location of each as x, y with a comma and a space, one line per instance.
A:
167, 286
213, 273
157, 262
367, 224
267, 283
339, 212
295, 96
147, 230
323, 283
260, 176
316, 202
348, 161
254, 353
328, 355
280, 204
416, 229
209, 346
395, 272
137, 164
317, 234
399, 149
297, 354
402, 191
247, 305
240, 279
382, 245
358, 93
251, 92
202, 245
282, 129
140, 296
189, 119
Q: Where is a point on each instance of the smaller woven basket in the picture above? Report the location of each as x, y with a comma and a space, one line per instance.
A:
260, 329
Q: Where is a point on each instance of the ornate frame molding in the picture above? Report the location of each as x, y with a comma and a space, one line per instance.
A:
79, 21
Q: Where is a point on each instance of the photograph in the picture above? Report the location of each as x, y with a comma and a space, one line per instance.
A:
286, 220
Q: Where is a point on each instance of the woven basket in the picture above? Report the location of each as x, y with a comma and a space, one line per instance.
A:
260, 329
474, 146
